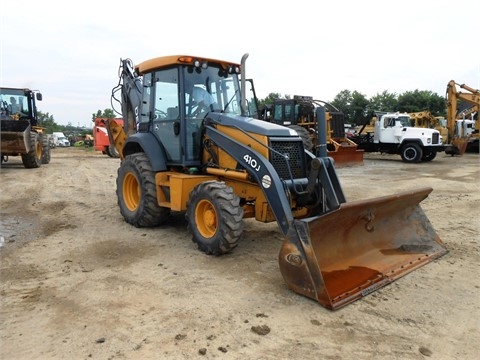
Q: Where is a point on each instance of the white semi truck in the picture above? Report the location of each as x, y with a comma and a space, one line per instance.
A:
59, 139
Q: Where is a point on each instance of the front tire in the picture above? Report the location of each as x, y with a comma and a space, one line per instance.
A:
46, 157
33, 159
137, 193
112, 151
411, 153
214, 217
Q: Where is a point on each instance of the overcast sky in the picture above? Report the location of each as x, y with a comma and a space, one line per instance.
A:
298, 47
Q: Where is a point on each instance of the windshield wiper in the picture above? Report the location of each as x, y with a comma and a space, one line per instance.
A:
229, 101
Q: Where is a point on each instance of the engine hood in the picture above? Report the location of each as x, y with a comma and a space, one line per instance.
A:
251, 125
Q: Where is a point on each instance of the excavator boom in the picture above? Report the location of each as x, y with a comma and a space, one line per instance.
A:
458, 139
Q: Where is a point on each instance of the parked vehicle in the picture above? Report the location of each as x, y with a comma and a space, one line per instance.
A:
59, 139
393, 133
20, 134
197, 152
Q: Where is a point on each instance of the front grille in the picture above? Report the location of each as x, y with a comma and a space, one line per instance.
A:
288, 154
435, 138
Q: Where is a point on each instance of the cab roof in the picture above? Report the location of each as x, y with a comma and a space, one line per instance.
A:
165, 61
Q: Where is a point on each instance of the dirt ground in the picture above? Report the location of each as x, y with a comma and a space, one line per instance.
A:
77, 282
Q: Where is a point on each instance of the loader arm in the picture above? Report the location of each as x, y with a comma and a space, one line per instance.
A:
264, 174
322, 175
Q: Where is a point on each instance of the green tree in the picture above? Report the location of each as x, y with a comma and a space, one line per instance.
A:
342, 100
415, 101
383, 102
48, 122
354, 105
107, 113
270, 99
358, 107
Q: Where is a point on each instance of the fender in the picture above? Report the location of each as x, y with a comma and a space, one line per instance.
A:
436, 148
411, 141
149, 144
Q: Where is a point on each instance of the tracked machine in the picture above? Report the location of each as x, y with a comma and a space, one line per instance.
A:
188, 146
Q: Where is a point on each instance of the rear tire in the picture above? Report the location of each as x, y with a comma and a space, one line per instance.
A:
411, 153
137, 193
33, 159
112, 151
305, 135
214, 217
429, 155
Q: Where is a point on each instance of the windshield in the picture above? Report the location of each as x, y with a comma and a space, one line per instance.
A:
212, 87
405, 121
13, 101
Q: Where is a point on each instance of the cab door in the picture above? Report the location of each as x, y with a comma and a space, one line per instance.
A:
166, 113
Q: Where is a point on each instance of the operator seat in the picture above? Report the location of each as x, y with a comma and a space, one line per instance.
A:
172, 113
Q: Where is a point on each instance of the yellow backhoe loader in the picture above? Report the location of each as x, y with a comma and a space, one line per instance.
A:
187, 145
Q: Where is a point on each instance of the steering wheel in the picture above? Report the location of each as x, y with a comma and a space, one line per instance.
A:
201, 109
160, 114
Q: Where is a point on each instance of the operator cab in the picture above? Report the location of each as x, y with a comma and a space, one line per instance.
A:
176, 101
402, 120
19, 103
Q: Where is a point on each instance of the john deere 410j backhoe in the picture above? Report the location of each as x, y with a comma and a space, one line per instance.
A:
188, 145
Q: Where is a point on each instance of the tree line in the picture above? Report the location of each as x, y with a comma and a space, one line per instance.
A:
358, 109
47, 121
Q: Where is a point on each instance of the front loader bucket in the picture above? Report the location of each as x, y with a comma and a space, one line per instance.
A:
347, 156
15, 136
345, 152
351, 252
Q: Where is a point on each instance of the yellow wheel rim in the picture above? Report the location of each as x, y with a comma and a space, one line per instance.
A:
206, 218
39, 150
131, 192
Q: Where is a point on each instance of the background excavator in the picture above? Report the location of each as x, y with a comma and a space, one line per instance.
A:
188, 146
460, 103
101, 139
425, 119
